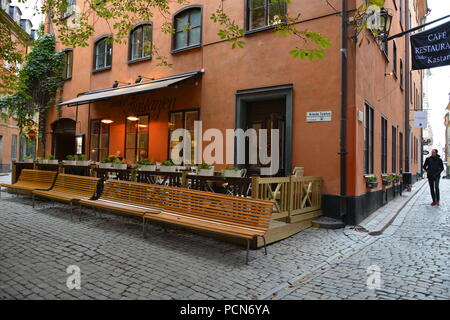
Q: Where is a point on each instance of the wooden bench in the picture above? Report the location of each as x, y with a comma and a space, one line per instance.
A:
70, 188
223, 214
30, 180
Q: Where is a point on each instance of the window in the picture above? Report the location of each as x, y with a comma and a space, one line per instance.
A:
368, 139
70, 8
188, 28
136, 138
103, 53
264, 13
384, 145
141, 42
183, 120
401, 12
401, 74
99, 141
394, 62
14, 147
68, 64
400, 140
394, 149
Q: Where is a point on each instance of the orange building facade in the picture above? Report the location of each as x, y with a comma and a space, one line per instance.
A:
260, 86
20, 30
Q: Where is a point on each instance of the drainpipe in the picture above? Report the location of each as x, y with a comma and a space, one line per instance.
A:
343, 104
408, 90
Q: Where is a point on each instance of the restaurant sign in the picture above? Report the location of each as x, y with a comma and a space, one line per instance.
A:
431, 48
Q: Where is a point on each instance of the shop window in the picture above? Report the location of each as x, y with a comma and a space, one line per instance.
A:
68, 64
136, 138
103, 53
394, 149
264, 13
183, 120
141, 42
368, 139
99, 140
384, 145
188, 28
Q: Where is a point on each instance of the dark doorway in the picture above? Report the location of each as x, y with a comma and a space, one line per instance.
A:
267, 108
63, 142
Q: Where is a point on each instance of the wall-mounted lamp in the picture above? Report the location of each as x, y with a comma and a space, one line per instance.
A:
133, 118
116, 83
139, 79
107, 121
390, 74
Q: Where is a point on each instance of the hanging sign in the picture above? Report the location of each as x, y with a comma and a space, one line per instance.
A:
431, 48
420, 119
31, 134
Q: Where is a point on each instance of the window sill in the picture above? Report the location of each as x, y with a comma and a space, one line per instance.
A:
139, 60
67, 79
101, 69
366, 176
174, 51
260, 29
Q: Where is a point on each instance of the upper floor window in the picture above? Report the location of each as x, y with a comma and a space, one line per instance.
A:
188, 27
70, 10
263, 13
141, 42
103, 53
68, 64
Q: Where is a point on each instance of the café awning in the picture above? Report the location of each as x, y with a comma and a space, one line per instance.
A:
144, 87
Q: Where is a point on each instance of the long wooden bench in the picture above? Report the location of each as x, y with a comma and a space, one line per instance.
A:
70, 188
30, 180
223, 214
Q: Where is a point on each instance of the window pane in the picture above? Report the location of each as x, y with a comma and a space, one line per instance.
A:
108, 59
195, 19
100, 54
257, 18
137, 44
194, 36
181, 21
181, 40
257, 3
276, 12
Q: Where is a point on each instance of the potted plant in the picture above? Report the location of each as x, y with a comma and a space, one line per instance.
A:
81, 160
51, 159
40, 160
28, 159
146, 165
371, 182
70, 161
168, 166
399, 177
232, 172
205, 170
106, 163
387, 180
120, 164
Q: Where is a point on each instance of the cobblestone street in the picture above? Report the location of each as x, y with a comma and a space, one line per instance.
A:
37, 245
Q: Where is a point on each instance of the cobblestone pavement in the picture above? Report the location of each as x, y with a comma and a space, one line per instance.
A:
37, 245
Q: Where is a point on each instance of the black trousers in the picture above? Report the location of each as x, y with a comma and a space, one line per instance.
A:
434, 187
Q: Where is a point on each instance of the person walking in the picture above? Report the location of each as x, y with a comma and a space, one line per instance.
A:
434, 167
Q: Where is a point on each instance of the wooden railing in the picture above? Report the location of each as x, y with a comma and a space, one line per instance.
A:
293, 196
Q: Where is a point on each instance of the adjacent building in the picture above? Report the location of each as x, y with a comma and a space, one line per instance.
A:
116, 100
447, 139
20, 29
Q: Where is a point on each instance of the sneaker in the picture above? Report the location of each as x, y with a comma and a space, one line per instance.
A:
438, 204
433, 204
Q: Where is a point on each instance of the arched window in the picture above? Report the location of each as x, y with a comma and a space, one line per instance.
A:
188, 28
141, 42
103, 53
68, 64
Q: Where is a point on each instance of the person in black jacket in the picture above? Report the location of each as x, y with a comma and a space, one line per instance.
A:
434, 167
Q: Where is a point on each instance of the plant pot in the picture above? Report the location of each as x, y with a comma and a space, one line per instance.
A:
181, 168
150, 167
386, 183
371, 185
206, 172
70, 162
43, 161
105, 165
168, 168
232, 173
120, 166
82, 163
28, 160
52, 161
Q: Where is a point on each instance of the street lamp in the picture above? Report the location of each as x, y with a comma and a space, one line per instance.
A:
385, 23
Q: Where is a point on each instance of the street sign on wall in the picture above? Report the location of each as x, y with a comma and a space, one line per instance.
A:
420, 119
431, 48
319, 116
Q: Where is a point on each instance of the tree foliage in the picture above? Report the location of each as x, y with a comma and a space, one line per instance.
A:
38, 83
